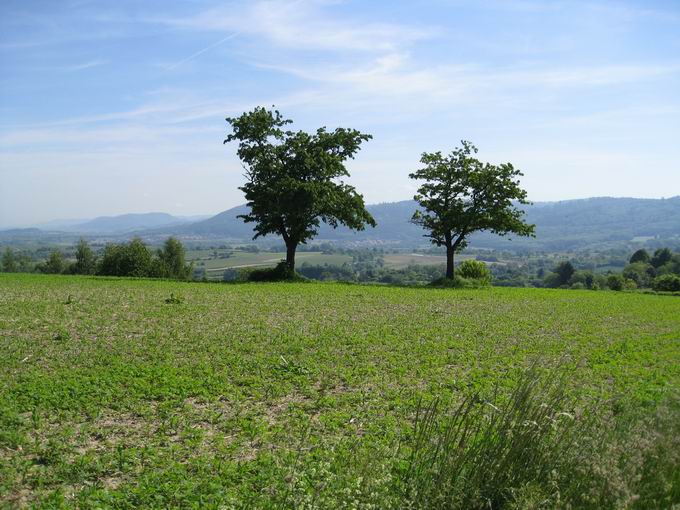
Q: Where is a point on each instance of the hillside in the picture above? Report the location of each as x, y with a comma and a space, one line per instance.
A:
559, 225
270, 395
568, 225
126, 223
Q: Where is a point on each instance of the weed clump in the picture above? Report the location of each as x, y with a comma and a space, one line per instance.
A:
61, 335
174, 300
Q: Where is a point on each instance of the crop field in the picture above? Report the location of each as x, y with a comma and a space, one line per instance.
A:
241, 260
137, 393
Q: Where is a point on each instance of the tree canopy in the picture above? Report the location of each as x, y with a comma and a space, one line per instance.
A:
293, 178
640, 255
462, 195
9, 264
85, 259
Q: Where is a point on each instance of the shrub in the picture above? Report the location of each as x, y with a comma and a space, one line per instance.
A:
229, 275
641, 273
585, 278
551, 280
578, 286
458, 282
629, 284
281, 272
667, 282
615, 282
475, 270
55, 264
133, 259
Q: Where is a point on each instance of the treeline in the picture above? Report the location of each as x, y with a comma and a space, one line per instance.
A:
659, 271
125, 259
368, 266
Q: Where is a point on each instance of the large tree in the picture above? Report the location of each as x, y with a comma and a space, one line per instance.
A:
293, 178
462, 195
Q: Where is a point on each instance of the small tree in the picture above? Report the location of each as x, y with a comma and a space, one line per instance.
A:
462, 195
564, 271
85, 259
292, 178
615, 282
54, 264
136, 259
641, 273
110, 262
640, 255
9, 263
133, 259
667, 282
172, 260
661, 257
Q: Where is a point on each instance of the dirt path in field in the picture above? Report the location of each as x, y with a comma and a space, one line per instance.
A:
261, 263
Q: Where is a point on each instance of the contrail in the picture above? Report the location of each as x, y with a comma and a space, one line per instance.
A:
200, 52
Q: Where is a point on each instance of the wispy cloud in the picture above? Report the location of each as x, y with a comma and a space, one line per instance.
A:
85, 65
302, 24
201, 52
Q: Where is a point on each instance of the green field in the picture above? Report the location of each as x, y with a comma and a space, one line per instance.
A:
246, 394
214, 266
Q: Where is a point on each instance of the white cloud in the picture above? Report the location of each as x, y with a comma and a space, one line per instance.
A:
85, 65
302, 24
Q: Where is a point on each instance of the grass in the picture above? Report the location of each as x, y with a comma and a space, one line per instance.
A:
258, 395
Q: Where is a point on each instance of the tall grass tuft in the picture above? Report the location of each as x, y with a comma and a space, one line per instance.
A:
540, 446
481, 454
537, 449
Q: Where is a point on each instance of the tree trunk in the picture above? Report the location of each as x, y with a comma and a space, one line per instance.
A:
290, 254
449, 262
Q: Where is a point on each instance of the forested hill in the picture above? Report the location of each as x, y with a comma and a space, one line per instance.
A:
559, 225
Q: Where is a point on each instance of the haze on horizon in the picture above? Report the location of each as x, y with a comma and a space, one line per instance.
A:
115, 107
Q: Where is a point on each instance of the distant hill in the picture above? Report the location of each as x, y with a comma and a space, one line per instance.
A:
126, 223
223, 225
562, 225
591, 223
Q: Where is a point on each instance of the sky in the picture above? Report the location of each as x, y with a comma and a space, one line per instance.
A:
117, 106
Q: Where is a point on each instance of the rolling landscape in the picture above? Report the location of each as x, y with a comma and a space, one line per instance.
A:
561, 226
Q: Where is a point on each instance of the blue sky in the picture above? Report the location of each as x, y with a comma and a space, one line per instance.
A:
108, 107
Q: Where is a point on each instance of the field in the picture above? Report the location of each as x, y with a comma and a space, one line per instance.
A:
138, 393
215, 265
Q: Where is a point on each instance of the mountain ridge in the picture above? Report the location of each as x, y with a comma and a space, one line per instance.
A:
560, 225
